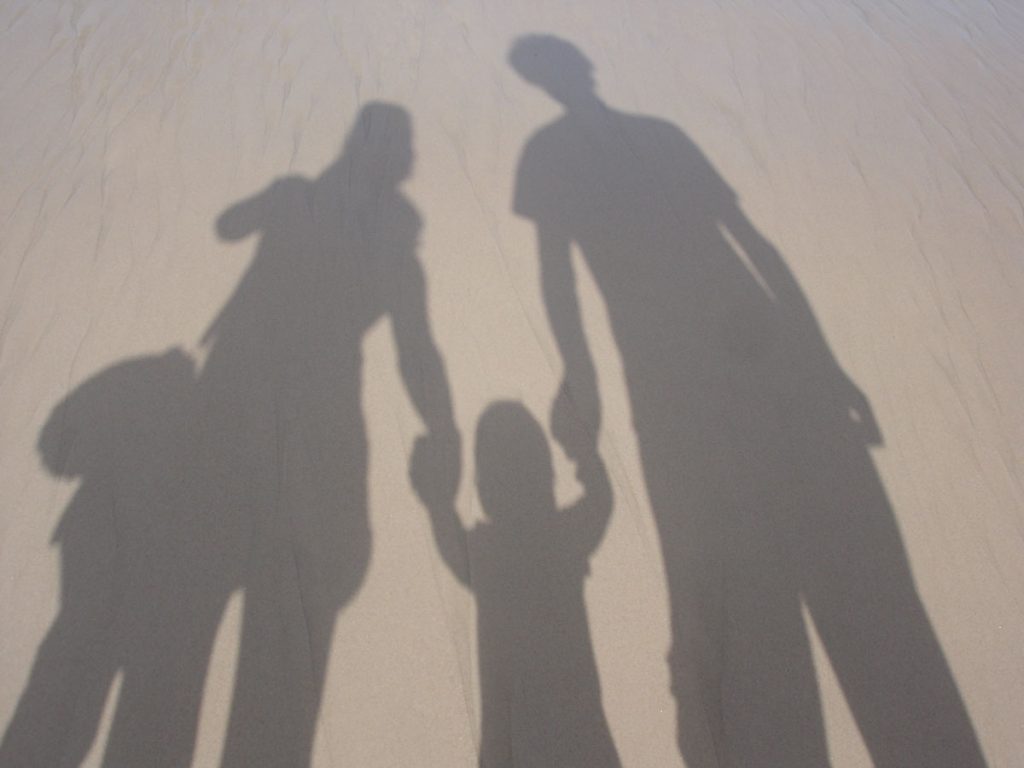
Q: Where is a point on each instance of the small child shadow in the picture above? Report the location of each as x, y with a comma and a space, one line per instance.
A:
526, 565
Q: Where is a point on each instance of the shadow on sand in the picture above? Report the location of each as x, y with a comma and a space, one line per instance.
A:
250, 475
754, 445
526, 564
247, 475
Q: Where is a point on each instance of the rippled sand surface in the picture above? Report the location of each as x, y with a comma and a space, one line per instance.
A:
249, 252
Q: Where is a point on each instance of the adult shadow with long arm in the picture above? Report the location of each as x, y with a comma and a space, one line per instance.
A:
286, 431
754, 445
248, 475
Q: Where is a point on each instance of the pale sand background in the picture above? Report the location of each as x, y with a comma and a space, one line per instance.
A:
878, 145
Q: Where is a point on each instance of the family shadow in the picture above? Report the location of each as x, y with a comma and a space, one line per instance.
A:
249, 475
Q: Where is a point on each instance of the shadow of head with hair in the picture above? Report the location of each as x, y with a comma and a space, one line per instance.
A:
753, 440
526, 565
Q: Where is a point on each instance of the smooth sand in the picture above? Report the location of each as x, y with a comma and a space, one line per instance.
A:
878, 146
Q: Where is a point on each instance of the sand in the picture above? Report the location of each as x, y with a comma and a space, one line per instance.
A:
251, 252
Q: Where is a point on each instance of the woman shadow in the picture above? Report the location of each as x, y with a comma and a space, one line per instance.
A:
285, 427
526, 565
753, 440
248, 476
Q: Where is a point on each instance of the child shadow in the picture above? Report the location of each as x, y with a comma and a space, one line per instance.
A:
526, 566
143, 573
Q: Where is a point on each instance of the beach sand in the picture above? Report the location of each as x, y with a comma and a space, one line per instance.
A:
211, 552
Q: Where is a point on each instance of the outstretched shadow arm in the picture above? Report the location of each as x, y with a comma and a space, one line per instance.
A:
246, 216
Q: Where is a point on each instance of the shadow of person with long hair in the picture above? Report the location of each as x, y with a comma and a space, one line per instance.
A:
248, 475
285, 427
754, 445
526, 565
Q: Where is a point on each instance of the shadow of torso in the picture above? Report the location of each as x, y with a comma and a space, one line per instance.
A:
285, 365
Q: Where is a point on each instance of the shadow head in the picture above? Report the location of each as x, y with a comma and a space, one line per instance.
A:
514, 474
119, 418
380, 143
555, 65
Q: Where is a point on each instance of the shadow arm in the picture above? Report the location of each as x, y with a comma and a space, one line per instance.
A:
244, 217
435, 465
419, 360
770, 267
578, 391
590, 515
792, 302
450, 536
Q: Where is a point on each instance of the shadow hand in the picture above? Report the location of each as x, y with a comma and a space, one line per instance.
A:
436, 467
574, 430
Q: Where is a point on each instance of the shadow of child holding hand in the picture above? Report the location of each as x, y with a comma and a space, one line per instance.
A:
526, 565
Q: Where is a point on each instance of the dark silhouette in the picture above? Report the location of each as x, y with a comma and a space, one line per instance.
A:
753, 442
285, 426
139, 569
251, 475
540, 695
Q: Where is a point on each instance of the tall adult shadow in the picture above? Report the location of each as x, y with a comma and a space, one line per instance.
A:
284, 427
248, 475
754, 445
